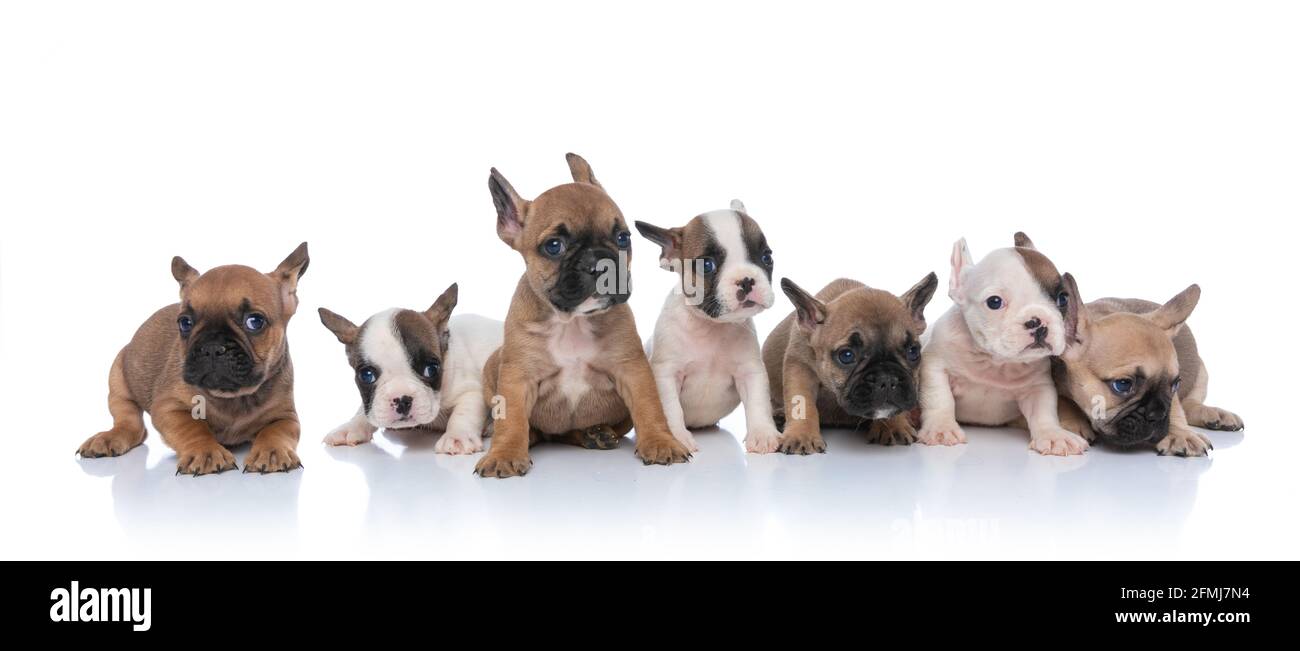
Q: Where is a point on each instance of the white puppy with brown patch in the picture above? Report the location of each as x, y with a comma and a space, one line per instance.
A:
987, 360
705, 352
418, 369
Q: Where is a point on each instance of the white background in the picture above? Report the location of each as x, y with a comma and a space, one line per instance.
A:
1143, 145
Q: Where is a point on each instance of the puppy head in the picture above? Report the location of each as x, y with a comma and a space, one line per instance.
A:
232, 322
573, 238
1123, 372
1014, 302
397, 358
866, 344
723, 260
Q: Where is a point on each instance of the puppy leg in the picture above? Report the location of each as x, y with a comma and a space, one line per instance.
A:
464, 432
1046, 436
197, 450
892, 431
938, 407
761, 435
1182, 441
1203, 415
508, 455
803, 431
635, 383
666, 380
128, 421
355, 431
275, 448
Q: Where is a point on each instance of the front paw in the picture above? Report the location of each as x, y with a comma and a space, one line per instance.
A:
941, 433
893, 431
599, 437
204, 459
687, 439
350, 434
458, 443
1185, 444
762, 441
1220, 419
503, 464
1058, 442
804, 444
107, 444
661, 450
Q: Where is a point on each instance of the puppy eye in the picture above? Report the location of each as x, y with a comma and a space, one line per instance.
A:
994, 302
1178, 382
845, 356
1062, 300
1122, 386
553, 247
708, 265
185, 324
767, 258
254, 322
367, 375
914, 353
624, 240
429, 370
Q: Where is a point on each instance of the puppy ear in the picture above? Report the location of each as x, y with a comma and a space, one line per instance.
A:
183, 272
581, 170
669, 240
1023, 241
737, 206
1076, 316
1171, 315
810, 311
441, 309
287, 274
345, 330
961, 261
916, 298
510, 208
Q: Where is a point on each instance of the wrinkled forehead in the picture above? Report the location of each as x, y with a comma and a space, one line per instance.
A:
232, 288
1019, 270
579, 207
731, 234
1126, 342
875, 316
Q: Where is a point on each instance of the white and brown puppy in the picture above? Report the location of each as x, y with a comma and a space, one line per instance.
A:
704, 350
1135, 377
418, 369
988, 358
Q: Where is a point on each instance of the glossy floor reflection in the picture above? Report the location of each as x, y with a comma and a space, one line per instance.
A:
395, 498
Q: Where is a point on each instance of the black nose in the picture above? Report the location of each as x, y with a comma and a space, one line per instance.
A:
213, 349
1040, 334
1032, 323
403, 405
746, 284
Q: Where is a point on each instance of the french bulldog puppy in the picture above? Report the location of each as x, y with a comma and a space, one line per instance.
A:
418, 369
571, 367
1135, 378
848, 355
988, 358
212, 371
704, 350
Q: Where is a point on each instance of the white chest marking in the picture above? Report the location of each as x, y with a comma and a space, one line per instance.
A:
573, 348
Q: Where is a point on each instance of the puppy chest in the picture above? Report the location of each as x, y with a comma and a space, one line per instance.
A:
982, 404
574, 353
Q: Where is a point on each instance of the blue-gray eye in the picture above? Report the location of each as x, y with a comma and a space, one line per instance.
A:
185, 324
429, 370
845, 356
254, 322
1062, 300
1121, 386
914, 353
709, 265
553, 246
766, 259
624, 240
1178, 382
994, 302
367, 375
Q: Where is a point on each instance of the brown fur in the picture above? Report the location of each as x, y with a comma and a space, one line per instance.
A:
146, 376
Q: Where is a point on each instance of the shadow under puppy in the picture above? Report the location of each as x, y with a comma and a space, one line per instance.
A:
212, 371
1135, 377
572, 367
846, 356
704, 350
418, 369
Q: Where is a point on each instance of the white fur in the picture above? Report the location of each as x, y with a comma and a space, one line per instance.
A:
573, 348
727, 231
976, 368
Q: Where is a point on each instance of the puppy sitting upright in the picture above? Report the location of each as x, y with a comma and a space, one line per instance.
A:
572, 367
212, 371
1135, 377
418, 369
847, 356
704, 350
988, 359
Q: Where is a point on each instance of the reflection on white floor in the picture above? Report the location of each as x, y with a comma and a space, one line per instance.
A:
396, 499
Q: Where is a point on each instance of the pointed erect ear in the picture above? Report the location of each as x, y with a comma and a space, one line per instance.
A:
1023, 241
1171, 315
581, 170
287, 274
510, 208
345, 330
1076, 316
183, 272
441, 309
809, 311
961, 261
669, 240
916, 298
737, 206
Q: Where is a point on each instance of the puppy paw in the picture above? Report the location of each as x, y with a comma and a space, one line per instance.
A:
458, 443
503, 464
762, 441
599, 437
350, 434
661, 450
1217, 419
942, 433
1187, 444
687, 440
1058, 442
802, 444
204, 459
108, 444
892, 431
266, 457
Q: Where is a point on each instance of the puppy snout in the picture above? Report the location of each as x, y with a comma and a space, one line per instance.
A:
402, 405
1040, 334
1033, 323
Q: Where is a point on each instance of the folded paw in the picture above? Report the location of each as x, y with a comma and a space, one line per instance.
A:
1185, 444
762, 441
458, 443
941, 433
1058, 442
